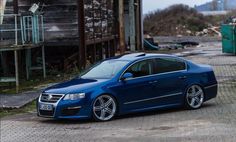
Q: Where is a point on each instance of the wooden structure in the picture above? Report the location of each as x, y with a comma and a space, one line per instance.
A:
82, 31
25, 34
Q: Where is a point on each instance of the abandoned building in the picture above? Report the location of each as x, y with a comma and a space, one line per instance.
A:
62, 34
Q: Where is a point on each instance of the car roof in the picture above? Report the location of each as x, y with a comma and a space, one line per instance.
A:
138, 56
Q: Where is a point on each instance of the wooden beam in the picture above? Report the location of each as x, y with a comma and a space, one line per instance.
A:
16, 71
81, 31
121, 27
15, 6
139, 27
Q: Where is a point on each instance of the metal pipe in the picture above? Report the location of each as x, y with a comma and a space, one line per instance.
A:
16, 31
22, 30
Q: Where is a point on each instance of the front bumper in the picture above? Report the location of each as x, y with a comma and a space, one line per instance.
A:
65, 110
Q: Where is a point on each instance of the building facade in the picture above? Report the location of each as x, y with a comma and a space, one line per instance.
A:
75, 31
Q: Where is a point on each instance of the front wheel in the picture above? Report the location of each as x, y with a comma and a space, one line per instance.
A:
104, 108
194, 97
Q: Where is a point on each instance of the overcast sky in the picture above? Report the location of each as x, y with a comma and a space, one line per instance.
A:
150, 5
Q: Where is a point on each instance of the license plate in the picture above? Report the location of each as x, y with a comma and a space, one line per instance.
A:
46, 107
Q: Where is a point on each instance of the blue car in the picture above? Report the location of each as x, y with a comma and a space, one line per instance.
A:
127, 84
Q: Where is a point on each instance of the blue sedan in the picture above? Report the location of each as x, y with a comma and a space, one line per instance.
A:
127, 84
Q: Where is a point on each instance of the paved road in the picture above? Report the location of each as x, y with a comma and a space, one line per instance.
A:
215, 122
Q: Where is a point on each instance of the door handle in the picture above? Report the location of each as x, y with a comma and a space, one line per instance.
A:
152, 82
183, 77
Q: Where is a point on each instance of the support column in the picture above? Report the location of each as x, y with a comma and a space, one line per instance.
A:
121, 27
28, 63
16, 71
44, 64
132, 25
138, 24
141, 22
81, 32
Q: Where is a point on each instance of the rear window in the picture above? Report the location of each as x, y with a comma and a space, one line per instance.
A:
164, 65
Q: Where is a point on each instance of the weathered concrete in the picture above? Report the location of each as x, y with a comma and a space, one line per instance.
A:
17, 101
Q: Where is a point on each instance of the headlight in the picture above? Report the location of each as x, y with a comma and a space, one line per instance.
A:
74, 96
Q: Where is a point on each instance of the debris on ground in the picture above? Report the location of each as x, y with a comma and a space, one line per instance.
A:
210, 31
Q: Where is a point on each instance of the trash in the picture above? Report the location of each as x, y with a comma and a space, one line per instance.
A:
210, 31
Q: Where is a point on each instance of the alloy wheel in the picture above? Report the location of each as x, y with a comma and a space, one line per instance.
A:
104, 108
195, 97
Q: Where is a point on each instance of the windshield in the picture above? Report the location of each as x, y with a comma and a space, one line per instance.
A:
104, 70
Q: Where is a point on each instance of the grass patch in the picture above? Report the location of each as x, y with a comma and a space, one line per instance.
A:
28, 108
36, 82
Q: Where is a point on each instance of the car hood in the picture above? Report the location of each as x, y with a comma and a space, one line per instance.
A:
74, 86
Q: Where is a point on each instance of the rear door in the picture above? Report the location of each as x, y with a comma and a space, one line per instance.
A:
171, 80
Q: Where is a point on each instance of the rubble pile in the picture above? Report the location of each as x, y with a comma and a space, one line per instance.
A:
210, 31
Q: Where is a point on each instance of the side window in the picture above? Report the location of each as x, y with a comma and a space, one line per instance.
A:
163, 65
142, 68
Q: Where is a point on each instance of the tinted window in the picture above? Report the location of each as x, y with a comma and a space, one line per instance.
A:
142, 68
105, 70
163, 65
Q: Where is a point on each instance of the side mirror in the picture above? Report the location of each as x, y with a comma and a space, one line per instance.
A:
127, 76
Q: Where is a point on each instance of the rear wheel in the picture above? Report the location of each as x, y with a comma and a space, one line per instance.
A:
194, 97
104, 108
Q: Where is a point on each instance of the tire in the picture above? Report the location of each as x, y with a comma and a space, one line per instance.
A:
194, 97
104, 108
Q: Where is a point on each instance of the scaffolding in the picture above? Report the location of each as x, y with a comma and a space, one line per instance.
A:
25, 33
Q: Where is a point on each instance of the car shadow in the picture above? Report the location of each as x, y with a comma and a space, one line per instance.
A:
126, 116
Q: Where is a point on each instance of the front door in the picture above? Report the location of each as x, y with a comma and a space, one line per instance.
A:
135, 92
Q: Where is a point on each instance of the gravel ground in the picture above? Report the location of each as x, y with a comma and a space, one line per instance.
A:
215, 122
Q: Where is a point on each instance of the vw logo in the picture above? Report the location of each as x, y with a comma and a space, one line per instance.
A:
49, 97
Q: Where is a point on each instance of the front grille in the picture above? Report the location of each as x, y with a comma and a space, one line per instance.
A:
46, 113
50, 98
